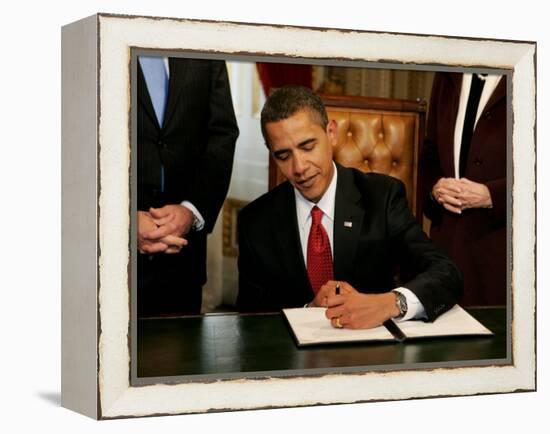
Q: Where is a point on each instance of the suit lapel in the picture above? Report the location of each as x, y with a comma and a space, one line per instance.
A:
144, 99
288, 238
348, 220
498, 94
176, 83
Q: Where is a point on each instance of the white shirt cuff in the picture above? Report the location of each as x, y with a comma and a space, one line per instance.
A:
195, 212
415, 309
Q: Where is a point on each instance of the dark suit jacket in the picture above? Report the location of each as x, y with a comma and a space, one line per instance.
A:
196, 144
475, 240
272, 273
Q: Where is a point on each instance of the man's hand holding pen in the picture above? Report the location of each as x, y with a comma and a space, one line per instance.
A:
348, 308
331, 288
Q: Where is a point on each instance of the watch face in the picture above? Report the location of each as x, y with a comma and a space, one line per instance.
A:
195, 224
402, 303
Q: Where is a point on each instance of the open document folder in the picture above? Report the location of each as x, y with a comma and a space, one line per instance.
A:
310, 327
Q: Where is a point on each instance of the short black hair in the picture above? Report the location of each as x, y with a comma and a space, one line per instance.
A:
287, 101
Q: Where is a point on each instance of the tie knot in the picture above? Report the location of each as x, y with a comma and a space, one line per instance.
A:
316, 215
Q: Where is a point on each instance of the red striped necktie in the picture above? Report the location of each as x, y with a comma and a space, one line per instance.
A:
319, 256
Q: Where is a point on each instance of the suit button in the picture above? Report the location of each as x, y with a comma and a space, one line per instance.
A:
478, 162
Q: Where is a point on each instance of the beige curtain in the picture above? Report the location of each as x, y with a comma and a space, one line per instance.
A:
382, 83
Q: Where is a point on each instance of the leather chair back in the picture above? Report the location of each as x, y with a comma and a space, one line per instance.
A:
376, 134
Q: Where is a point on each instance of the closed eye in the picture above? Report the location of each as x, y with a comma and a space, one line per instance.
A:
281, 155
308, 145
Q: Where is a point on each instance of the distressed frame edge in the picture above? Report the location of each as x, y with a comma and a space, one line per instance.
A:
528, 382
79, 323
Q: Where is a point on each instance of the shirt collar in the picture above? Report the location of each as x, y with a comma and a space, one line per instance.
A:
326, 203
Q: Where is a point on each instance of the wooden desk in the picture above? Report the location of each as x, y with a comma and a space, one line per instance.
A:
255, 345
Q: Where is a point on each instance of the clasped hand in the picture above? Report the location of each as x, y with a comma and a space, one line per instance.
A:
162, 230
456, 195
352, 309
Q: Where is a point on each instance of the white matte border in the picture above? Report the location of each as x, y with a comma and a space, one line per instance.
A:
117, 35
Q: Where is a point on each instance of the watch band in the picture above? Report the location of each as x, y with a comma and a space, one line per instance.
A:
196, 223
401, 303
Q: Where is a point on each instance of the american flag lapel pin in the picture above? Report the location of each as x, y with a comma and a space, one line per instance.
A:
348, 224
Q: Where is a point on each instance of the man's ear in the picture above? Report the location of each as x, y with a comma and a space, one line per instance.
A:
332, 132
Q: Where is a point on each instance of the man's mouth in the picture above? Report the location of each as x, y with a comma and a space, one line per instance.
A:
306, 183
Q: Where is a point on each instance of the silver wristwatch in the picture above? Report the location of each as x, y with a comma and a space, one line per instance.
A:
401, 303
196, 222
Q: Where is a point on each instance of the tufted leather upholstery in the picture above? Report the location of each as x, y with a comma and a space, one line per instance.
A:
376, 134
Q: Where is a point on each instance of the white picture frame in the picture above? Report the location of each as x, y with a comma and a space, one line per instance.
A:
96, 219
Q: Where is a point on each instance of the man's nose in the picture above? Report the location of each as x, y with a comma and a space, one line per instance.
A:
300, 165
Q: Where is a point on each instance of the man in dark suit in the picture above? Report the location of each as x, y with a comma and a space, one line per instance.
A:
462, 180
331, 227
186, 140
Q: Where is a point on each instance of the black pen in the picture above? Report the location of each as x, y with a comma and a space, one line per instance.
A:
337, 288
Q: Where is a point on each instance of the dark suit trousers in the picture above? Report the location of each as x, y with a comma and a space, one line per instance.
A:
163, 289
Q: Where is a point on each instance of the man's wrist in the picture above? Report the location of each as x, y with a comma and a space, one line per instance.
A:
197, 222
415, 309
401, 307
488, 200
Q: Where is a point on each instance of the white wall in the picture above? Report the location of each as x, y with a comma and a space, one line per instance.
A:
250, 169
249, 180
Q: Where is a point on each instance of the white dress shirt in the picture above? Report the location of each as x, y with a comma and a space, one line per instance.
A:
415, 310
491, 82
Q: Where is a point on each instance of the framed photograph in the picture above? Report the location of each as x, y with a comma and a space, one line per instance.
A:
116, 364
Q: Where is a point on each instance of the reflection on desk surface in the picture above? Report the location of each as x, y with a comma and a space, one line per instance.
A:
231, 344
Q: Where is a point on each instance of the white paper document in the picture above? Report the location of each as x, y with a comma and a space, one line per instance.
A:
455, 322
310, 326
